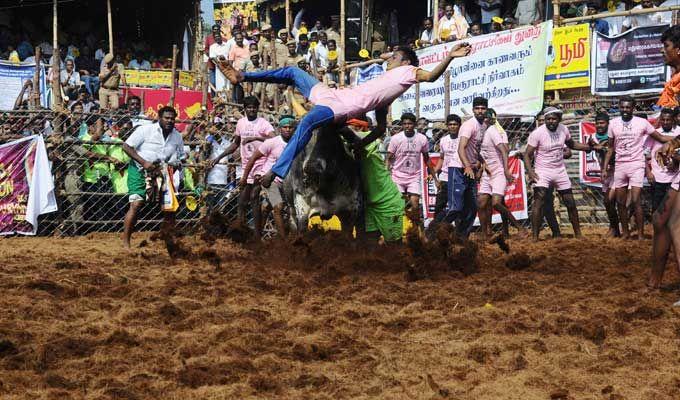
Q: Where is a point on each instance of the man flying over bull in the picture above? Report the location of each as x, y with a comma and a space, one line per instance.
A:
338, 105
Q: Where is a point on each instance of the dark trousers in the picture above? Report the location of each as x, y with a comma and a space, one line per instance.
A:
658, 190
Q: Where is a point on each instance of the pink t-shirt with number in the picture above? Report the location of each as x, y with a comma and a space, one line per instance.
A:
407, 152
471, 129
549, 147
629, 139
661, 173
246, 129
271, 149
448, 147
376, 93
489, 150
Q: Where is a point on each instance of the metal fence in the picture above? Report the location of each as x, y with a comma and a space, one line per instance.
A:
89, 169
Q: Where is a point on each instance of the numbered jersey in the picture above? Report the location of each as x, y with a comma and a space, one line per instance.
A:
629, 138
407, 152
549, 147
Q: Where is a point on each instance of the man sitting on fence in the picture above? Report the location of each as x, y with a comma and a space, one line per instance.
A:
341, 104
147, 146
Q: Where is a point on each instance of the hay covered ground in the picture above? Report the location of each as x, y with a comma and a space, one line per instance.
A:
324, 319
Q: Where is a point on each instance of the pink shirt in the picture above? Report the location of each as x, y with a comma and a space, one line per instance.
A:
407, 154
629, 138
471, 129
661, 173
376, 93
449, 152
239, 55
549, 147
489, 152
272, 149
245, 129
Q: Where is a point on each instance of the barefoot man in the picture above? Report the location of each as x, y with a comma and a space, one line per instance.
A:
627, 136
338, 105
601, 142
496, 176
548, 141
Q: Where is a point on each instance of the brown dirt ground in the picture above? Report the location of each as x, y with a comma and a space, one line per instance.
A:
324, 319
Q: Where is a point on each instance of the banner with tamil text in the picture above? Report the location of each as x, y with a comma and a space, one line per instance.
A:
12, 78
630, 63
26, 185
507, 68
571, 51
142, 78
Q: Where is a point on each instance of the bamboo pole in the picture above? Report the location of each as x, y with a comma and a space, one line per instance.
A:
435, 20
56, 58
173, 81
417, 99
288, 16
204, 86
556, 12
110, 23
36, 79
343, 49
627, 13
447, 93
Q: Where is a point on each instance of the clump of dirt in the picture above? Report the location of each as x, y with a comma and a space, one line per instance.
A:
68, 265
170, 313
52, 288
122, 337
518, 261
176, 248
57, 381
7, 348
559, 394
210, 374
482, 354
519, 363
499, 240
643, 312
593, 331
216, 225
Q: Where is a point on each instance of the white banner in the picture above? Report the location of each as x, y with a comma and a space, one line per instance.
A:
507, 68
12, 78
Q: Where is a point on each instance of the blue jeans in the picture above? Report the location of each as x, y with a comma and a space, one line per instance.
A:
91, 83
316, 117
292, 76
462, 202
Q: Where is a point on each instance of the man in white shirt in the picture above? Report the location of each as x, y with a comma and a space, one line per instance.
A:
218, 179
427, 36
147, 146
451, 26
139, 62
219, 50
656, 18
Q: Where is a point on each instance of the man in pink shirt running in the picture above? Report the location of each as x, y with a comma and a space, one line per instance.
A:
339, 105
496, 176
627, 135
660, 176
251, 131
271, 150
547, 142
404, 155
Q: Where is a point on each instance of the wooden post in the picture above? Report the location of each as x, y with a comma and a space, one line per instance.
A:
36, 79
204, 86
417, 99
56, 57
288, 16
435, 21
556, 12
110, 22
343, 49
173, 81
447, 93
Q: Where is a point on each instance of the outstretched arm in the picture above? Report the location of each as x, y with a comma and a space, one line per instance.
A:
459, 50
578, 146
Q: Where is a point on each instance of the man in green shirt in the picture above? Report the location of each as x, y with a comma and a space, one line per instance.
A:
383, 203
96, 171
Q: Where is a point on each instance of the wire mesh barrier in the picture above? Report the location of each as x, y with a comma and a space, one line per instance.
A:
90, 170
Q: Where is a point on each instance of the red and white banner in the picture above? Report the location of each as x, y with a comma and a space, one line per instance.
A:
588, 163
187, 102
515, 193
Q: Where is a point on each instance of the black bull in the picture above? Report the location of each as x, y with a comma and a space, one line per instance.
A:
324, 180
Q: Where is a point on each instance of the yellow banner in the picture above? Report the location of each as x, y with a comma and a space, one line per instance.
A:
157, 78
571, 48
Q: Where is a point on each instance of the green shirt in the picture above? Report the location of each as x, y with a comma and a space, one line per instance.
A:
118, 177
94, 170
382, 195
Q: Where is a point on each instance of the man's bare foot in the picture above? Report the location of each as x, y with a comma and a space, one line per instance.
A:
613, 233
266, 179
126, 244
229, 72
499, 239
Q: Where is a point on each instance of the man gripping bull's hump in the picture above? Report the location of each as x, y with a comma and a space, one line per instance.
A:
338, 105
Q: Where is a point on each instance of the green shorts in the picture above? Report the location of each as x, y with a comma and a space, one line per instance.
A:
136, 183
390, 226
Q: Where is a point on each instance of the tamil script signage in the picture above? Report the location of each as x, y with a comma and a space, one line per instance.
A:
571, 64
630, 63
507, 68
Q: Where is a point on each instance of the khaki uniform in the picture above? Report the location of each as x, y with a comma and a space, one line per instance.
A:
281, 53
108, 92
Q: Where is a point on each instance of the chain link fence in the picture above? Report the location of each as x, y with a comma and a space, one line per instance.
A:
90, 169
